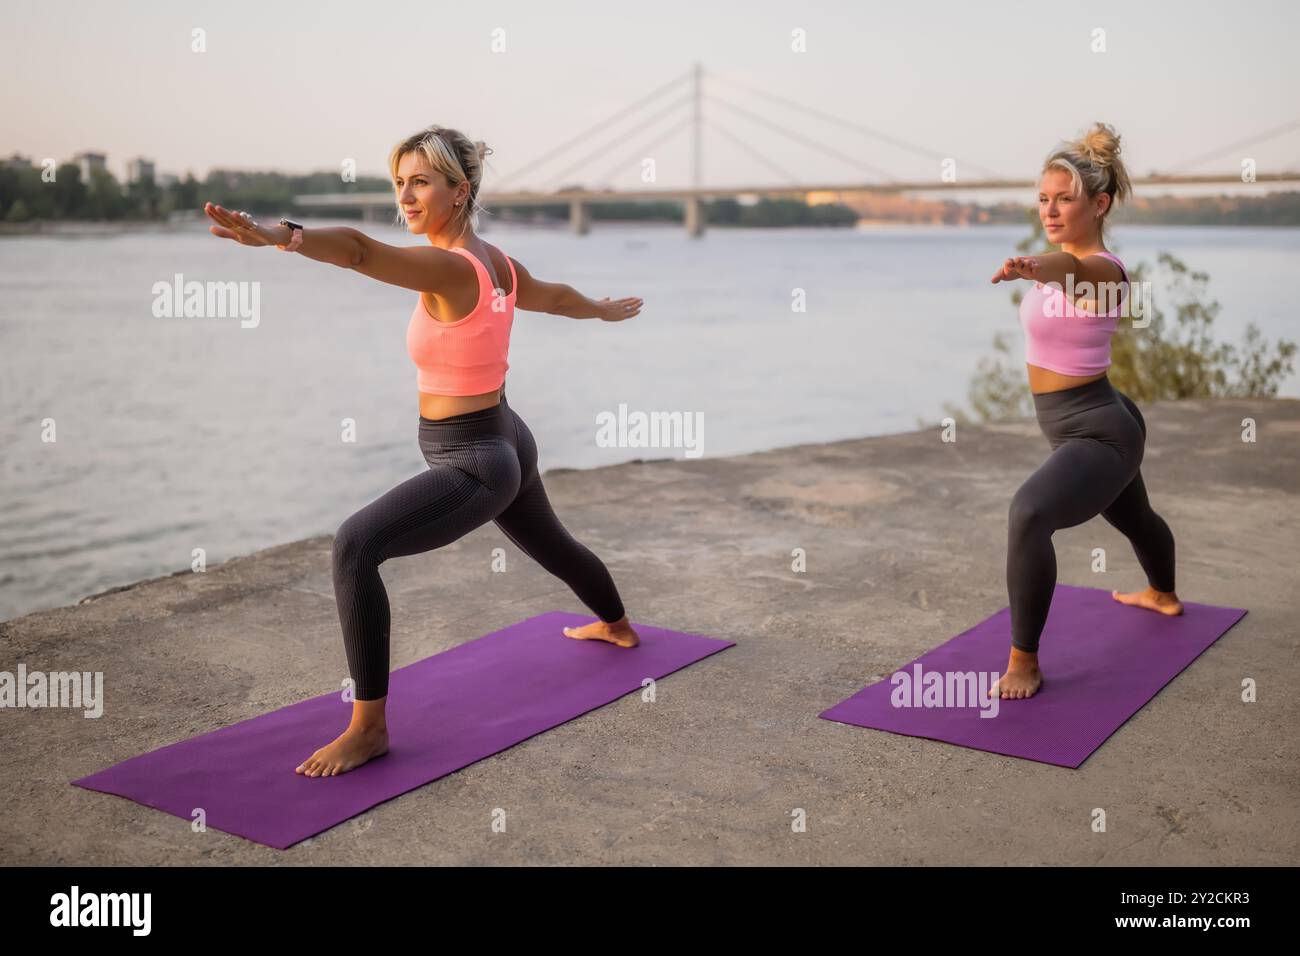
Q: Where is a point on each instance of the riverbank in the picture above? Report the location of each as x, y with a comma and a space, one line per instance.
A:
61, 227
1220, 211
904, 538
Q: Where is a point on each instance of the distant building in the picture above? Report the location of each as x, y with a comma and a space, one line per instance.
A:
89, 162
18, 162
139, 169
167, 179
822, 197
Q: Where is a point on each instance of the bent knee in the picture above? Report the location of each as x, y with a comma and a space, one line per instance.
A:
351, 543
1027, 514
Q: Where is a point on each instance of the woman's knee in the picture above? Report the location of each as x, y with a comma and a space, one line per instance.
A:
351, 544
1027, 515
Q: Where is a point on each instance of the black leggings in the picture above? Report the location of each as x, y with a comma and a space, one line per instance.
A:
482, 467
1097, 436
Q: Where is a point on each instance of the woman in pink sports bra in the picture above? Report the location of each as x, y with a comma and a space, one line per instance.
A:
1096, 433
482, 458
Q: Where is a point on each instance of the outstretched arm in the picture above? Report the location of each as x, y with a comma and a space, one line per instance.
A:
557, 298
1053, 267
422, 268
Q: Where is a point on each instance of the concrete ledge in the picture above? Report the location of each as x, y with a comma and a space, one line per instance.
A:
905, 539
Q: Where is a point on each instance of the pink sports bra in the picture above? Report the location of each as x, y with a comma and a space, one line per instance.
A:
466, 357
1066, 339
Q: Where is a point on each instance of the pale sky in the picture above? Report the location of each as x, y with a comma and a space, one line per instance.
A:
300, 86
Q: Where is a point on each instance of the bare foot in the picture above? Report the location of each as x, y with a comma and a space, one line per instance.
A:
1022, 678
620, 633
1166, 602
349, 750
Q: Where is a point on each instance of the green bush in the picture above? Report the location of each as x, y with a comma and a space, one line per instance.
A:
1175, 356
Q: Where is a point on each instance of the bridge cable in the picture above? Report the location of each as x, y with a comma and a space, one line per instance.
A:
850, 124
794, 180
618, 140
1249, 141
851, 160
643, 150
595, 128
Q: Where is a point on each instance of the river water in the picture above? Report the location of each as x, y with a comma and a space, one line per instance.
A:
180, 433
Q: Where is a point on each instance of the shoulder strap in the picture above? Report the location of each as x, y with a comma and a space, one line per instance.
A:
480, 273
1114, 259
469, 255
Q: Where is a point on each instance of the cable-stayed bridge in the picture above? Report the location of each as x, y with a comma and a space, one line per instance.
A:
595, 144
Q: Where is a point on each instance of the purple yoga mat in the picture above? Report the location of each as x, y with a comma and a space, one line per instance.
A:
1101, 662
444, 713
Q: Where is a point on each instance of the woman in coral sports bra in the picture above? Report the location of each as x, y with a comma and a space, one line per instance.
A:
482, 458
1096, 433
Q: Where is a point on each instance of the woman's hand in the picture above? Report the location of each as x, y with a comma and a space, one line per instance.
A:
241, 227
616, 310
1017, 267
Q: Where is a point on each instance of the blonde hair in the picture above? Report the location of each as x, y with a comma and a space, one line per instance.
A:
1094, 166
451, 153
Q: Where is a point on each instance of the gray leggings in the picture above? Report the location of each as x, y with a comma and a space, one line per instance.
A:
1097, 436
482, 467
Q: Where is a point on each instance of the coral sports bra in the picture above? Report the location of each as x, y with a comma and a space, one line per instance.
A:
466, 357
1066, 339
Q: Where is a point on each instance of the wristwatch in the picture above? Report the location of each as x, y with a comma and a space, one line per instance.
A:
296, 241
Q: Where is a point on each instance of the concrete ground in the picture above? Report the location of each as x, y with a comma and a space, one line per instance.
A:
905, 539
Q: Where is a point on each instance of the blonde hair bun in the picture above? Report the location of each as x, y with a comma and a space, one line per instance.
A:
1094, 165
1101, 144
